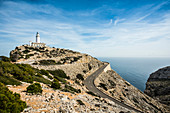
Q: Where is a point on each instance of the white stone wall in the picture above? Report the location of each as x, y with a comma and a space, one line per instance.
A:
107, 68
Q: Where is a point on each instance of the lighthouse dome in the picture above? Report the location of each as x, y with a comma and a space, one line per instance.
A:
37, 35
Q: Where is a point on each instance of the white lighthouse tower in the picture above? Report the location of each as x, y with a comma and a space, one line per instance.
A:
37, 43
37, 38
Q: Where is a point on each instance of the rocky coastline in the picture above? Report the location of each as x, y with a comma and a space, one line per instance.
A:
158, 85
78, 67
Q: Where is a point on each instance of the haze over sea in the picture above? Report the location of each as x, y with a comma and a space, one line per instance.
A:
136, 70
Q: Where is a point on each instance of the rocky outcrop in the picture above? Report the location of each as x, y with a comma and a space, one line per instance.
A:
56, 101
34, 55
115, 86
158, 85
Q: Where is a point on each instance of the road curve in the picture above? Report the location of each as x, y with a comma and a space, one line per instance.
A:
89, 83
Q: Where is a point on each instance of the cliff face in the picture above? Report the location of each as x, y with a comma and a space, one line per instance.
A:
114, 85
158, 85
74, 64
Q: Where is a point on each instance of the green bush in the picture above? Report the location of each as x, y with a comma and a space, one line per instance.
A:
5, 59
26, 51
61, 79
47, 62
71, 89
77, 82
19, 71
80, 102
27, 68
41, 79
55, 84
91, 93
80, 76
34, 88
7, 80
10, 102
23, 72
103, 86
46, 73
59, 73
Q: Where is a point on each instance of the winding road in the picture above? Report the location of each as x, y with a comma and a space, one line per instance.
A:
89, 83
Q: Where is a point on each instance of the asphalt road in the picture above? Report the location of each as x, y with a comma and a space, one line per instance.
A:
89, 83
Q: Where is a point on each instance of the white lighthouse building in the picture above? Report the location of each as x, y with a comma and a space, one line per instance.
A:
37, 43
37, 38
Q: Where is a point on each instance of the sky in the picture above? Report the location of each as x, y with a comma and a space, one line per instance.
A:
101, 28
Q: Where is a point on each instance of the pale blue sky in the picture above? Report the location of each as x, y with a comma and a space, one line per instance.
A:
101, 28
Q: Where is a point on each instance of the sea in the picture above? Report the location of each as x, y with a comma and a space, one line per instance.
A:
136, 70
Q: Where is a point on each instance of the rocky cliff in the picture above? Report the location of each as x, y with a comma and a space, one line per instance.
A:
158, 85
78, 66
114, 85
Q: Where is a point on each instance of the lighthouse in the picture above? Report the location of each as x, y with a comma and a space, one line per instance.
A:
37, 38
37, 43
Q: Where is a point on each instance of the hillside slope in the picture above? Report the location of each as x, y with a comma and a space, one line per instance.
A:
114, 85
158, 85
77, 67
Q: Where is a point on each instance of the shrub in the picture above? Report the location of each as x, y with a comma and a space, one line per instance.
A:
27, 68
55, 84
59, 73
46, 73
61, 79
34, 88
80, 102
71, 89
27, 56
10, 102
112, 83
41, 79
5, 59
77, 82
91, 93
19, 71
26, 51
89, 66
80, 76
47, 62
10, 72
103, 86
7, 80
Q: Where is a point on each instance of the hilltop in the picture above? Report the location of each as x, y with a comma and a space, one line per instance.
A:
68, 68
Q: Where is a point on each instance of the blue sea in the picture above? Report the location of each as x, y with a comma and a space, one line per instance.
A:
136, 70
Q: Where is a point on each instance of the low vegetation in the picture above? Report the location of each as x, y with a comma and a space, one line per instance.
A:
22, 72
34, 88
91, 93
46, 73
12, 74
41, 79
7, 80
58, 73
47, 62
80, 76
69, 60
10, 102
5, 59
80, 102
71, 89
55, 84
103, 86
